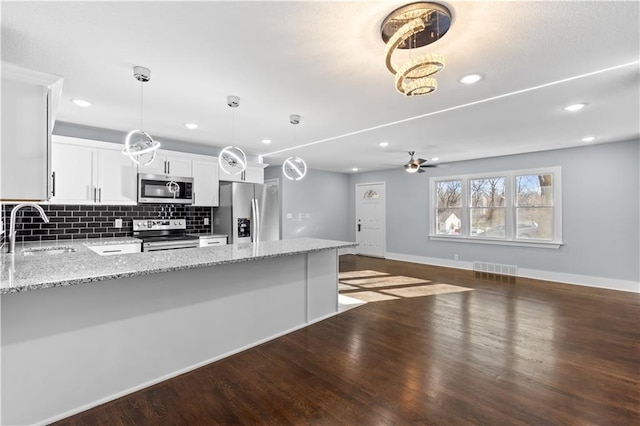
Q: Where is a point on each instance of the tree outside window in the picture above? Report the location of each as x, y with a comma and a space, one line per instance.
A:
534, 206
449, 207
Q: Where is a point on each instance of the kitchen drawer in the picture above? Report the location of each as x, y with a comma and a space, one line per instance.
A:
212, 241
114, 249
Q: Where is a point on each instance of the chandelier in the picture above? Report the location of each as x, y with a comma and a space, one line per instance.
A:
410, 27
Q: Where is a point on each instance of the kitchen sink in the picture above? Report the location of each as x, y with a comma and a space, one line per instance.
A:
47, 251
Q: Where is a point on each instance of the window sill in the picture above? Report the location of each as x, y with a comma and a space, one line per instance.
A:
499, 242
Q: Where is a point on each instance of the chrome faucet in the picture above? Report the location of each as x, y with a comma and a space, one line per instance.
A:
12, 222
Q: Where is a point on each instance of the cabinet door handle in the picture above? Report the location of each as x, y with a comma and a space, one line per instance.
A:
112, 251
53, 184
169, 167
100, 195
213, 243
95, 190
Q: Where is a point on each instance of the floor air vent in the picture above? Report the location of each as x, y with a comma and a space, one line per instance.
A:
495, 271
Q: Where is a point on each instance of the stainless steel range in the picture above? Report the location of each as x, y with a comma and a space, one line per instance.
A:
163, 234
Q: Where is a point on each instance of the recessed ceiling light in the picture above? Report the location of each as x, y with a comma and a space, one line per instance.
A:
355, 169
81, 103
471, 78
383, 144
589, 139
574, 107
266, 141
191, 126
434, 159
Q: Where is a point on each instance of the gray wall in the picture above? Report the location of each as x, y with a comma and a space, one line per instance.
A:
601, 212
324, 195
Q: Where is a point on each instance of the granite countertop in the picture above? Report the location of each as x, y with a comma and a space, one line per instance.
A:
24, 273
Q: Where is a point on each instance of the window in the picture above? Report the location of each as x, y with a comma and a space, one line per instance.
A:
521, 207
449, 207
487, 205
534, 206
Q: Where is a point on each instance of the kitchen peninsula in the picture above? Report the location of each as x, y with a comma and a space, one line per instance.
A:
80, 329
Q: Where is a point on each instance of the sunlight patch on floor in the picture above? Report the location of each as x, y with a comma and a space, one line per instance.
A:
426, 290
374, 286
345, 303
390, 281
372, 296
357, 274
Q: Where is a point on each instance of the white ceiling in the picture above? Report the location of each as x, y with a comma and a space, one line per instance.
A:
324, 61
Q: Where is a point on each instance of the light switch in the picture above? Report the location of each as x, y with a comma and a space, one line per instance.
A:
289, 215
118, 223
206, 220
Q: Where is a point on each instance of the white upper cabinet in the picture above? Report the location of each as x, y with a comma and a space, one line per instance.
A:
90, 172
74, 178
117, 177
169, 163
29, 102
254, 173
205, 182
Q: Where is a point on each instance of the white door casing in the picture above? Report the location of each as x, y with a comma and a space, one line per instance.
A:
371, 219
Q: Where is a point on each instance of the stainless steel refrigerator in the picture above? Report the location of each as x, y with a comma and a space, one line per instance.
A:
248, 212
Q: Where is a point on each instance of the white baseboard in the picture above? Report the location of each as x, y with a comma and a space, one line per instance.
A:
561, 277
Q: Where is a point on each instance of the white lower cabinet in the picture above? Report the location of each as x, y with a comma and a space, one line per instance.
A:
90, 172
205, 183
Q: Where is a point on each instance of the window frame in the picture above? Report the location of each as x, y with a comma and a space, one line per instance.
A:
511, 208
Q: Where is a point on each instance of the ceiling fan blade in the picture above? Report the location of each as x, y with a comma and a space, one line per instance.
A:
421, 171
428, 165
421, 160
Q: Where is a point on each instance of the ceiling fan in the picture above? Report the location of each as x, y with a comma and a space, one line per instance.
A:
416, 166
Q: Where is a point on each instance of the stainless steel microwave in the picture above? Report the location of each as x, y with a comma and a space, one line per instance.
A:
163, 189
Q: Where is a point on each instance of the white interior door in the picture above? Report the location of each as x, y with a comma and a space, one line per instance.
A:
370, 219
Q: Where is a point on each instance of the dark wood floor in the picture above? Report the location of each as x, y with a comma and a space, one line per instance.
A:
529, 352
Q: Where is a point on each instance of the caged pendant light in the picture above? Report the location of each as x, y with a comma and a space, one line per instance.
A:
294, 168
139, 145
232, 160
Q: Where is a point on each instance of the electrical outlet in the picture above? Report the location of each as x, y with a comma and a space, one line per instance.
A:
118, 223
300, 216
456, 257
206, 220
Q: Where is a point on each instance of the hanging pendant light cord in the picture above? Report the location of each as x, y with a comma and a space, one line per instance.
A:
141, 100
233, 126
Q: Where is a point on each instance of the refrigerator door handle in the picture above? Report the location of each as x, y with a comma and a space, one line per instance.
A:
253, 220
255, 210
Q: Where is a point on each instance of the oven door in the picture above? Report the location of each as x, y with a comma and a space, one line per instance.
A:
162, 189
170, 245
